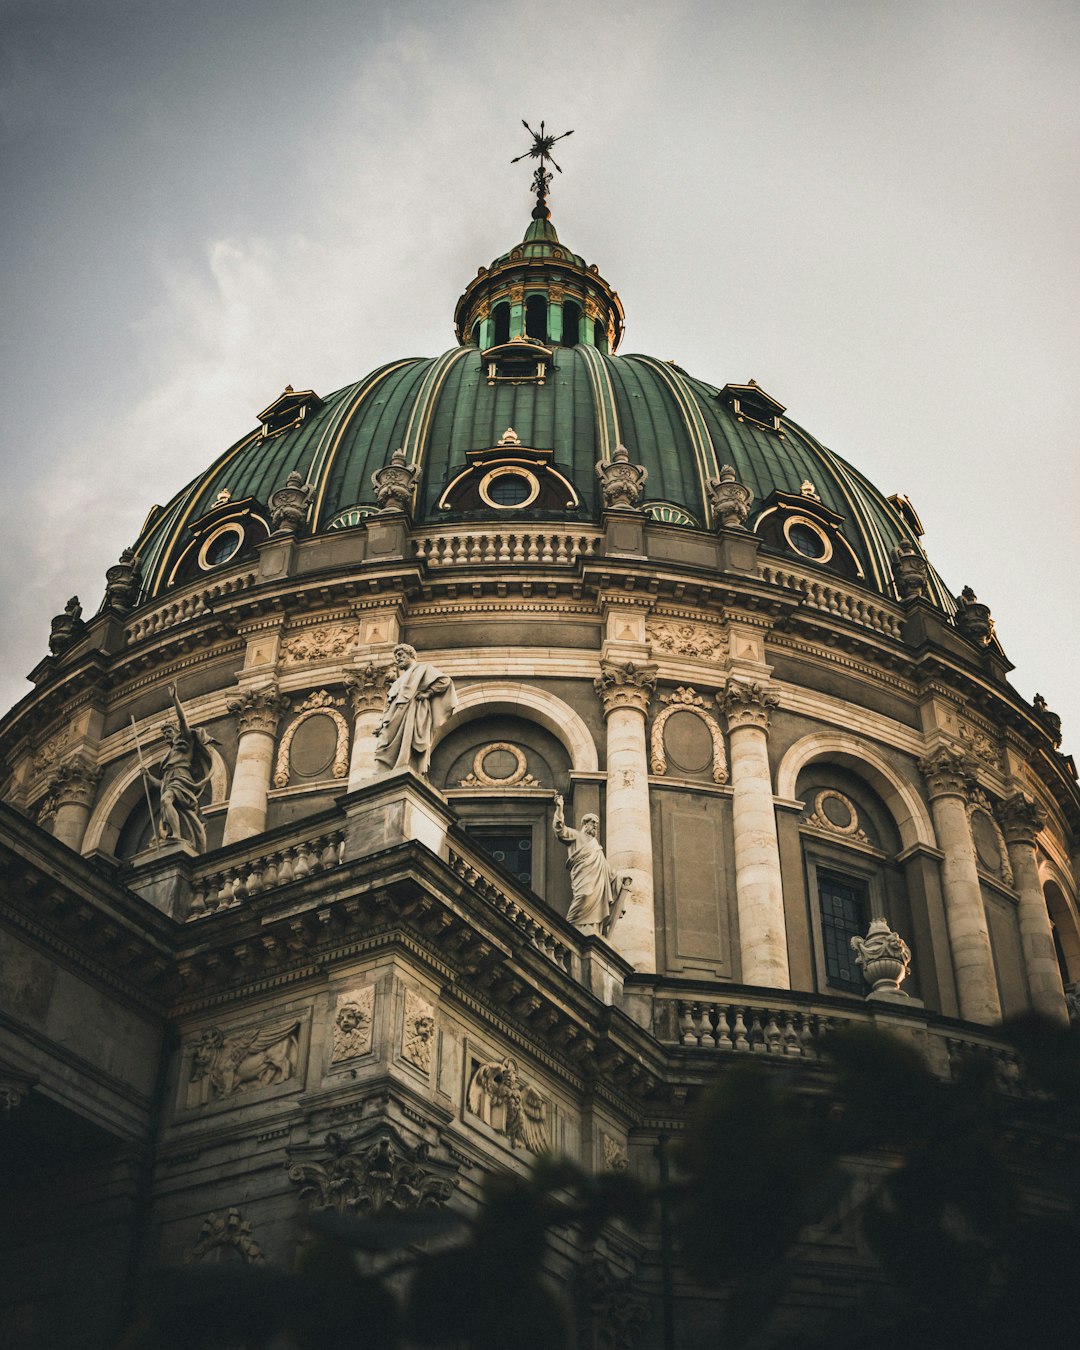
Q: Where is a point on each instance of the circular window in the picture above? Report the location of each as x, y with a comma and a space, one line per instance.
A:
509, 488
806, 538
220, 546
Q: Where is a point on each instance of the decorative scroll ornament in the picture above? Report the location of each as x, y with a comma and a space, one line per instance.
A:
686, 639
122, 581
320, 704
625, 686
949, 771
14, 1090
821, 820
330, 642
394, 482
498, 1087
419, 1032
973, 619
884, 956
519, 777
257, 1057
66, 628
621, 482
1022, 819
747, 704
354, 1025
979, 807
289, 504
364, 1176
226, 1230
685, 699
729, 499
911, 572
367, 688
258, 710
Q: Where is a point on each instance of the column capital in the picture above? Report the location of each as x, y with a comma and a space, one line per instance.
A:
258, 709
949, 772
73, 784
1021, 819
748, 703
629, 685
367, 687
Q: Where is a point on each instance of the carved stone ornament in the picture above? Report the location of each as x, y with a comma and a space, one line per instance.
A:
67, 628
910, 570
289, 504
14, 1090
226, 1230
625, 686
258, 710
621, 483
329, 642
122, 581
748, 704
685, 699
981, 818
949, 771
978, 744
614, 1154
729, 499
1072, 1002
480, 777
418, 1033
181, 777
370, 1173
51, 750
820, 819
73, 784
1021, 819
686, 639
1051, 719
509, 1104
367, 687
884, 956
354, 1025
229, 1065
611, 1313
318, 704
394, 483
973, 618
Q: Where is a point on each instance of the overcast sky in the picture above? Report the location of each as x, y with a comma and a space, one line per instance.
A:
869, 208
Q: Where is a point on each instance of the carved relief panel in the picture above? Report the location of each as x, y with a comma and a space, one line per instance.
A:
686, 738
507, 1102
418, 1032
315, 743
231, 1066
353, 1030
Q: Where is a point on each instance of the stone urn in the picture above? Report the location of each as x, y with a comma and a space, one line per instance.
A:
885, 959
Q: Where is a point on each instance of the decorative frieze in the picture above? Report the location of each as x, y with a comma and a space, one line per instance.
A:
748, 704
499, 1095
704, 641
367, 687
327, 642
949, 772
228, 1065
686, 699
978, 744
621, 483
729, 499
630, 685
394, 483
354, 1025
418, 1032
226, 1230
258, 710
365, 1175
614, 1154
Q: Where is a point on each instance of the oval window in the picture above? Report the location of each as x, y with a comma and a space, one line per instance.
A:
507, 489
807, 539
221, 546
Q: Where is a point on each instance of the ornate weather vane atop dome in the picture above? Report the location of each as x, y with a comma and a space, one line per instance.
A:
541, 150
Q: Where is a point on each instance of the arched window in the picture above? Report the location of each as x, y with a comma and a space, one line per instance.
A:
571, 323
599, 336
536, 317
501, 316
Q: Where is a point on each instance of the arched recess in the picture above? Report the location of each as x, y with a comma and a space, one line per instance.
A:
1063, 915
905, 805
126, 791
521, 700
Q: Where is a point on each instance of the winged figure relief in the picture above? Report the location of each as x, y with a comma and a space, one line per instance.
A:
524, 1108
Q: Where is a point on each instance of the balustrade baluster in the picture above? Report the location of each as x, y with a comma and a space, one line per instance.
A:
738, 1031
773, 1036
790, 1035
686, 1024
756, 1035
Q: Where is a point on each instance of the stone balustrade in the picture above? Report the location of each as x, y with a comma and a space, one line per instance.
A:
489, 890
214, 890
186, 606
559, 548
742, 1027
835, 600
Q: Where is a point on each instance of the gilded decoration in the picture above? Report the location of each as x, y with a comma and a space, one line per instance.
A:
748, 704
228, 1065
367, 1174
329, 642
226, 1230
509, 1104
625, 686
418, 1033
686, 699
480, 777
320, 704
686, 639
820, 818
354, 1025
983, 822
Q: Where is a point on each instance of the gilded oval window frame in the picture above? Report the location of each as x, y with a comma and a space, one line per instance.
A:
501, 471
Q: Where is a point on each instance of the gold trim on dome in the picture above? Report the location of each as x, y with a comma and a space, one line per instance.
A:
229, 527
501, 472
816, 529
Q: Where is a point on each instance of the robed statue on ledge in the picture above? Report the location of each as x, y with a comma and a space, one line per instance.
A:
418, 702
596, 888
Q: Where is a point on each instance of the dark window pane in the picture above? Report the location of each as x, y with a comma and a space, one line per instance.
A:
843, 916
510, 848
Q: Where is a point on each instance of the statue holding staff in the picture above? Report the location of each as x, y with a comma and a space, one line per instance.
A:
181, 779
418, 702
596, 888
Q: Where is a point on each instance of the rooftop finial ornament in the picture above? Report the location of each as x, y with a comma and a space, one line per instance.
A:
541, 150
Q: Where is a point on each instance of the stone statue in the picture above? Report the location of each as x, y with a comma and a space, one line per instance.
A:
596, 888
885, 958
289, 504
181, 778
418, 702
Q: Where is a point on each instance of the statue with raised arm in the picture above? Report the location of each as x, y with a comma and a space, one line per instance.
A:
181, 779
418, 702
595, 887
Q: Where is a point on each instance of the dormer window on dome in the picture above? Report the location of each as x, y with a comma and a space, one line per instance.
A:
751, 403
228, 532
288, 410
801, 524
522, 360
509, 477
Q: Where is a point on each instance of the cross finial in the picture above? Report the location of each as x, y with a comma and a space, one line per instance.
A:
541, 150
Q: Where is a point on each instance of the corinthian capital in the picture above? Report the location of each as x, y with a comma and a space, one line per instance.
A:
747, 703
73, 784
1021, 819
625, 686
258, 710
367, 688
949, 772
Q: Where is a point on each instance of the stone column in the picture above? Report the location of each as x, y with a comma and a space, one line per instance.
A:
949, 775
759, 888
367, 690
257, 714
1021, 820
625, 690
69, 799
